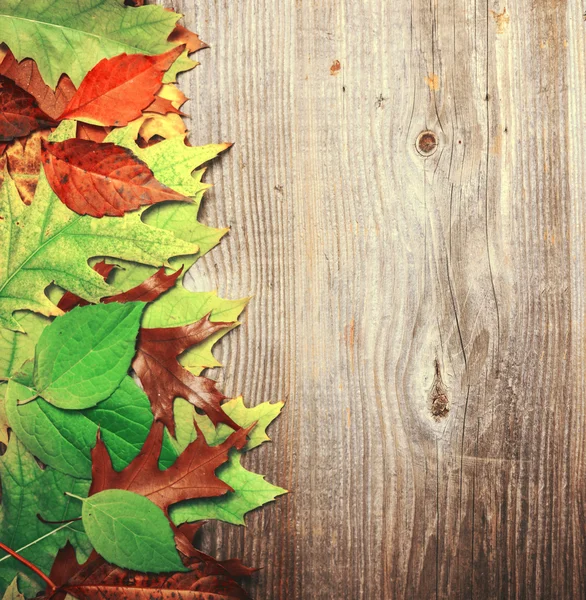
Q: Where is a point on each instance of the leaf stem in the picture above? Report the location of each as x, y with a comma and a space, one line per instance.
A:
30, 565
38, 540
66, 521
76, 497
27, 400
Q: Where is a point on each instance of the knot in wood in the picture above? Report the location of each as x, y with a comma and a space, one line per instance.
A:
427, 143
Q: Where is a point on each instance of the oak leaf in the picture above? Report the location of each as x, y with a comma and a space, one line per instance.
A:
117, 89
191, 476
27, 76
19, 112
164, 378
101, 179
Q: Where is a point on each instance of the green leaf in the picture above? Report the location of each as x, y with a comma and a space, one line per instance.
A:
71, 37
12, 592
130, 531
28, 490
46, 242
63, 439
185, 415
82, 357
250, 491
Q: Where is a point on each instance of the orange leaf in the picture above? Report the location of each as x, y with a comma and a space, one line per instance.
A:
117, 89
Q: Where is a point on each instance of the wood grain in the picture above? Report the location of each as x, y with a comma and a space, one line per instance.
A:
424, 315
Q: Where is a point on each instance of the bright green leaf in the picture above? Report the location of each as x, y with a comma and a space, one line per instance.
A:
28, 490
130, 531
71, 37
82, 357
63, 439
250, 491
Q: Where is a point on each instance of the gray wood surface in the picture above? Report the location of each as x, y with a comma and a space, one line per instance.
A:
423, 314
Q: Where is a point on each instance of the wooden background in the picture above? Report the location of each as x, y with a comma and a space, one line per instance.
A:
388, 283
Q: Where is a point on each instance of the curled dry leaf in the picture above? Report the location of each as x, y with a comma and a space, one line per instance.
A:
164, 378
19, 112
117, 89
26, 75
101, 179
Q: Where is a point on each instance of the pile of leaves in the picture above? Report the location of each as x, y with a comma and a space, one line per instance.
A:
115, 448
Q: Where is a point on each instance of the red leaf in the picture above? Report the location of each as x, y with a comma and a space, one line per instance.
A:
147, 291
27, 76
117, 89
101, 179
191, 476
19, 112
164, 378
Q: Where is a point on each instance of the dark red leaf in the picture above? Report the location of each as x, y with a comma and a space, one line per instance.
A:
99, 580
19, 112
164, 378
117, 89
191, 476
27, 76
101, 179
147, 291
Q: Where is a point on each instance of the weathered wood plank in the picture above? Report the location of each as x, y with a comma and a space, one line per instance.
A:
371, 264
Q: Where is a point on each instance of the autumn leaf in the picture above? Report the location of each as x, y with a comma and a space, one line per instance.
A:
26, 75
164, 379
147, 291
19, 112
22, 159
249, 491
71, 38
101, 179
191, 476
61, 246
12, 592
95, 133
98, 580
117, 89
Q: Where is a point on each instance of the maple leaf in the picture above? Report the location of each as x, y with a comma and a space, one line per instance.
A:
28, 490
100, 179
22, 159
191, 476
26, 75
117, 89
46, 242
98, 580
19, 112
164, 379
249, 491
72, 41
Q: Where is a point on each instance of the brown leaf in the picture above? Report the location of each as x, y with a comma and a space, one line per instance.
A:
95, 133
162, 106
164, 378
191, 476
23, 160
101, 179
147, 291
19, 112
182, 35
99, 580
117, 89
27, 76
